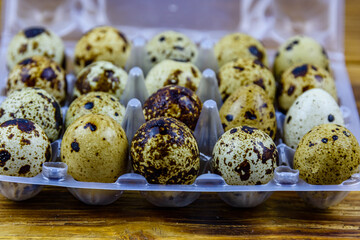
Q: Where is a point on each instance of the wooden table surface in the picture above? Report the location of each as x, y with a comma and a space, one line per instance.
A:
55, 213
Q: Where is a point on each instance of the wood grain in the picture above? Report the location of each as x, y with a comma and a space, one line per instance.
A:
56, 214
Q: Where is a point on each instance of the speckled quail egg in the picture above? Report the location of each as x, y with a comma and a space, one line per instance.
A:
298, 79
165, 151
95, 148
35, 105
312, 108
95, 102
169, 72
249, 106
40, 72
239, 45
176, 102
102, 43
24, 147
327, 154
245, 156
243, 72
170, 45
299, 50
35, 41
101, 76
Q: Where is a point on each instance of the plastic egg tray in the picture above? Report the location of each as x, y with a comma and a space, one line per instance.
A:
209, 127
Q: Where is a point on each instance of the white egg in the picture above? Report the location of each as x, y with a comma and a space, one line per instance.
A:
312, 108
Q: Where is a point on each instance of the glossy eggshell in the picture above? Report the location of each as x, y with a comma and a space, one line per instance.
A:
35, 105
249, 106
96, 103
245, 156
299, 50
39, 72
102, 43
101, 76
95, 148
24, 147
300, 78
165, 151
176, 102
169, 72
239, 45
35, 41
170, 45
312, 108
244, 72
327, 154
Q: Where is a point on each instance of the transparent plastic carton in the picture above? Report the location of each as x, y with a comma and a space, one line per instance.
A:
205, 21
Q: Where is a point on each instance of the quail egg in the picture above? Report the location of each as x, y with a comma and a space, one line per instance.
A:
245, 156
102, 43
95, 102
95, 148
40, 72
298, 79
35, 105
243, 72
249, 106
327, 154
165, 151
24, 147
176, 102
35, 41
239, 45
312, 108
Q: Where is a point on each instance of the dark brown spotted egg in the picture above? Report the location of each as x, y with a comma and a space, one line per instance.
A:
101, 76
24, 147
95, 148
299, 50
249, 106
165, 151
244, 72
35, 41
245, 156
239, 45
169, 72
95, 102
176, 102
300, 78
39, 72
170, 45
103, 43
36, 105
327, 154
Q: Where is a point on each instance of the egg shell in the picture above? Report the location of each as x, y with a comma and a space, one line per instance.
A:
96, 103
35, 41
249, 106
101, 76
165, 151
170, 45
176, 102
35, 105
103, 43
312, 108
239, 45
24, 147
327, 154
244, 72
300, 78
299, 50
245, 156
95, 148
169, 72
39, 72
